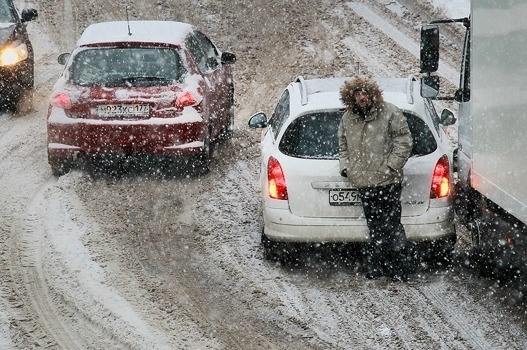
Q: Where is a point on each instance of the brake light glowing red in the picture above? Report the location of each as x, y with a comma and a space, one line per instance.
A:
61, 100
185, 99
441, 179
276, 180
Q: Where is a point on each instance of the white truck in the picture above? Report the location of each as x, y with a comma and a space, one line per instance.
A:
492, 128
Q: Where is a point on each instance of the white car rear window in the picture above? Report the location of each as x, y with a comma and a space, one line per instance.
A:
315, 136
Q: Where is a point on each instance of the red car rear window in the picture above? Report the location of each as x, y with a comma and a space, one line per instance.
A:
126, 66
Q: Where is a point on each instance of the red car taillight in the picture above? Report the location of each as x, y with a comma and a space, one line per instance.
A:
441, 179
61, 100
276, 180
186, 99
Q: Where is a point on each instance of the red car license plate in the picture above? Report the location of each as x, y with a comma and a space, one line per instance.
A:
123, 110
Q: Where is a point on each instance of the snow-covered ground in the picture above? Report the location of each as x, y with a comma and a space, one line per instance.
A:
146, 262
453, 8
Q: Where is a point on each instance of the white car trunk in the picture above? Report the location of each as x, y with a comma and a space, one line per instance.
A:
309, 182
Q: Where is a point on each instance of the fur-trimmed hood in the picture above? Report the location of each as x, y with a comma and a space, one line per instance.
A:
361, 82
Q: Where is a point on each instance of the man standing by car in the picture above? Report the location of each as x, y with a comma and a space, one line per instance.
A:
374, 145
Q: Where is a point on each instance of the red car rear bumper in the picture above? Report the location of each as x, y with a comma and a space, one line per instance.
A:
89, 137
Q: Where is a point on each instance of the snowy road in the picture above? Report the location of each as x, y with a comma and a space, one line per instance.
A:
145, 262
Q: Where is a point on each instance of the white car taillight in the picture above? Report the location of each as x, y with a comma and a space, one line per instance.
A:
441, 179
276, 180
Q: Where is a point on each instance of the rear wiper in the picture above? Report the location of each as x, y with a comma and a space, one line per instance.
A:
143, 78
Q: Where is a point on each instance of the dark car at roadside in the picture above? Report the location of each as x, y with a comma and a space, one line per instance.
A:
16, 54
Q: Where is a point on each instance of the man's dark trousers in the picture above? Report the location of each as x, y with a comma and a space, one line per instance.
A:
386, 252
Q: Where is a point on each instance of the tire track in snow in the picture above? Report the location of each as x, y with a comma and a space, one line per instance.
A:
334, 317
455, 318
373, 64
445, 70
70, 22
369, 53
481, 332
371, 313
83, 284
7, 142
390, 311
28, 263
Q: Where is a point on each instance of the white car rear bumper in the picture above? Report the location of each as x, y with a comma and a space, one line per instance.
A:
281, 225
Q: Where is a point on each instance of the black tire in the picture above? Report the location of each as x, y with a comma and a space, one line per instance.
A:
59, 166
9, 103
482, 256
444, 251
29, 83
274, 251
228, 131
199, 165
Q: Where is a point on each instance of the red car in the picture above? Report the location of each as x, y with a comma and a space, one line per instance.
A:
156, 88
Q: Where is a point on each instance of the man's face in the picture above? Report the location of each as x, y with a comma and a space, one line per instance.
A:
362, 100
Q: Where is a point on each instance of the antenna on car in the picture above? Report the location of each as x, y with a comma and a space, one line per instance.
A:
128, 20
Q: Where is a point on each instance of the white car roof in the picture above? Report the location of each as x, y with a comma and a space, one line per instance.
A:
317, 94
167, 32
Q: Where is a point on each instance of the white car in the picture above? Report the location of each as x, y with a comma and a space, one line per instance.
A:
305, 199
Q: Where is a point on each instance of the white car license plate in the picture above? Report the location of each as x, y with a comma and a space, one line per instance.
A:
123, 110
344, 197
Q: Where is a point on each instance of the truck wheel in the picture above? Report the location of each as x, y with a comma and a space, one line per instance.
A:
483, 263
483, 259
466, 205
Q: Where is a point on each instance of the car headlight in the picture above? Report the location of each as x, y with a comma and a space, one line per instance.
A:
12, 55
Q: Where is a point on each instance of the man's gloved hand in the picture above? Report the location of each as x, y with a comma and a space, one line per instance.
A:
344, 173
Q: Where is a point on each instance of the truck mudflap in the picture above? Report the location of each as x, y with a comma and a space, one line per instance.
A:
500, 241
